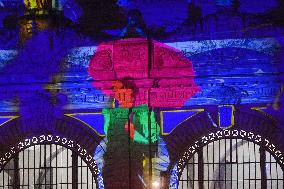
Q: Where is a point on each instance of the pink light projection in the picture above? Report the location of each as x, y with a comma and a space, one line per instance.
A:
122, 69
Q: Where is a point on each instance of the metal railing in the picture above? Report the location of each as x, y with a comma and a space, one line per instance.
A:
47, 166
232, 164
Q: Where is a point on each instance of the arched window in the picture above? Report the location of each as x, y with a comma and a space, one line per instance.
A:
231, 164
47, 166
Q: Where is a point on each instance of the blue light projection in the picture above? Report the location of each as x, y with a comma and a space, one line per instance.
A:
36, 82
163, 158
245, 59
98, 157
49, 75
226, 3
242, 56
123, 3
264, 45
171, 119
6, 56
174, 178
99, 153
93, 120
226, 116
5, 119
71, 10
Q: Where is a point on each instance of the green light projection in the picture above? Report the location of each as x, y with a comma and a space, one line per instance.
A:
138, 116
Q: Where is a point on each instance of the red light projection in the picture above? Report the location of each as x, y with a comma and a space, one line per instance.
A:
130, 128
131, 73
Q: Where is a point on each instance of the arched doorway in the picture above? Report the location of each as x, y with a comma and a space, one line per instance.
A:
47, 166
230, 159
49, 161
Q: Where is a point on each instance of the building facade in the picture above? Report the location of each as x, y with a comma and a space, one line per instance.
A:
132, 94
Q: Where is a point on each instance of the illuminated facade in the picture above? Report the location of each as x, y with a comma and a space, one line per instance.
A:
143, 100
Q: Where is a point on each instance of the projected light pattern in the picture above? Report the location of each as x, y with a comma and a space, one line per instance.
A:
138, 125
99, 153
264, 45
143, 103
226, 116
174, 178
6, 119
149, 83
246, 53
34, 4
166, 80
224, 2
93, 120
171, 119
6, 56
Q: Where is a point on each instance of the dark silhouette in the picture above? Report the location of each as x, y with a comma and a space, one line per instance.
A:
99, 15
194, 14
135, 25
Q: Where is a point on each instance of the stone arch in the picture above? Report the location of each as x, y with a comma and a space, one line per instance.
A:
67, 132
247, 121
235, 134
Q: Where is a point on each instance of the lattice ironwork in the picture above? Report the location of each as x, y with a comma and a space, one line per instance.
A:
77, 157
47, 166
231, 163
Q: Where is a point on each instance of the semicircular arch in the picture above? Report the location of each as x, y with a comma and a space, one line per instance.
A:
195, 133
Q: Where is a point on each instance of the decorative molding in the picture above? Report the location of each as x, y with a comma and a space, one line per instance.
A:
177, 111
224, 134
51, 139
232, 116
85, 123
11, 118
